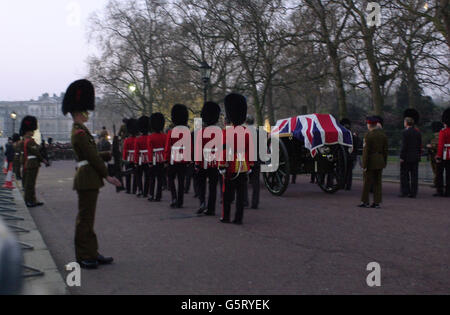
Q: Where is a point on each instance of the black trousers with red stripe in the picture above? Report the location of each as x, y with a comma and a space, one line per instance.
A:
233, 186
156, 174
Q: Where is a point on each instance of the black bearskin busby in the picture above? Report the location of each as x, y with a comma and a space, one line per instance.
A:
210, 113
144, 124
236, 108
180, 115
412, 113
436, 126
446, 117
29, 123
79, 97
157, 122
132, 126
16, 137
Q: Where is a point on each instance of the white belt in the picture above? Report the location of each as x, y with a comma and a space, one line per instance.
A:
130, 151
30, 157
143, 151
158, 150
447, 145
82, 163
17, 153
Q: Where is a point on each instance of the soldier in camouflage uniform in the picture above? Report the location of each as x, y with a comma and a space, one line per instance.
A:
78, 100
32, 161
374, 160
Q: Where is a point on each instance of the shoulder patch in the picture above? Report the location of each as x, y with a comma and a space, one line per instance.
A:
80, 132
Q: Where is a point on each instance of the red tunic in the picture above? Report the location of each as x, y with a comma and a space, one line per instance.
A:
172, 154
241, 156
141, 155
443, 149
156, 144
129, 146
209, 156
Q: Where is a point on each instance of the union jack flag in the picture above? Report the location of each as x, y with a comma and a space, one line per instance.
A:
315, 131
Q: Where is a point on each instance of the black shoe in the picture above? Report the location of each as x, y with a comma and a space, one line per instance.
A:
237, 222
411, 196
179, 206
208, 213
375, 206
402, 196
225, 220
196, 196
104, 260
30, 205
39, 204
364, 205
158, 200
202, 208
245, 204
88, 264
139, 195
174, 203
438, 195
128, 192
151, 199
254, 207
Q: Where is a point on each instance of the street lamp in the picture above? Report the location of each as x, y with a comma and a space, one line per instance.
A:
14, 118
205, 71
132, 88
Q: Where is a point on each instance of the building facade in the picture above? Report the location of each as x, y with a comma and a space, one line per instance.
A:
47, 109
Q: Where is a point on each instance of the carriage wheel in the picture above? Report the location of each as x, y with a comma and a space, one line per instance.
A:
278, 181
334, 180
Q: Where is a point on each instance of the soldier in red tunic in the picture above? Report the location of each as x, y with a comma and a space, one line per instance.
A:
176, 154
206, 168
142, 158
129, 149
235, 160
156, 144
443, 157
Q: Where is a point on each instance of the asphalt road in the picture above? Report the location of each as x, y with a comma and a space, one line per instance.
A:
306, 242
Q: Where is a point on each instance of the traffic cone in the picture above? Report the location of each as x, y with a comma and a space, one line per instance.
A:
8, 182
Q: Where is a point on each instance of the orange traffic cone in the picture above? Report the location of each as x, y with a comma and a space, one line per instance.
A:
8, 182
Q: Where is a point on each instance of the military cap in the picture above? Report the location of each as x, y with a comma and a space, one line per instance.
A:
29, 123
236, 108
180, 115
446, 117
210, 113
144, 124
79, 97
412, 113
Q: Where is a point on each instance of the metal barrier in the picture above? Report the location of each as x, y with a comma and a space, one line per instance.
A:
10, 263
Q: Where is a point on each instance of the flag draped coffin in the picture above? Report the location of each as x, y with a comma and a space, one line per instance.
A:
315, 131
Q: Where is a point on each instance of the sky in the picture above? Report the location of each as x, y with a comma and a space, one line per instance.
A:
43, 45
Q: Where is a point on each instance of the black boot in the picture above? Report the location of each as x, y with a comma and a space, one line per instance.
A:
104, 260
88, 264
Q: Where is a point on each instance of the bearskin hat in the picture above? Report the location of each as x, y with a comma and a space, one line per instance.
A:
436, 126
210, 113
16, 137
372, 120
157, 122
236, 108
29, 123
144, 124
446, 117
132, 126
412, 113
79, 97
180, 115
346, 122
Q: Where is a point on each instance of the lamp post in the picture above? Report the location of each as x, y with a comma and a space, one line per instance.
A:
14, 118
205, 71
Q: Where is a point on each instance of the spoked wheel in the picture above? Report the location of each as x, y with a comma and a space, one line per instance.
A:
278, 181
334, 179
